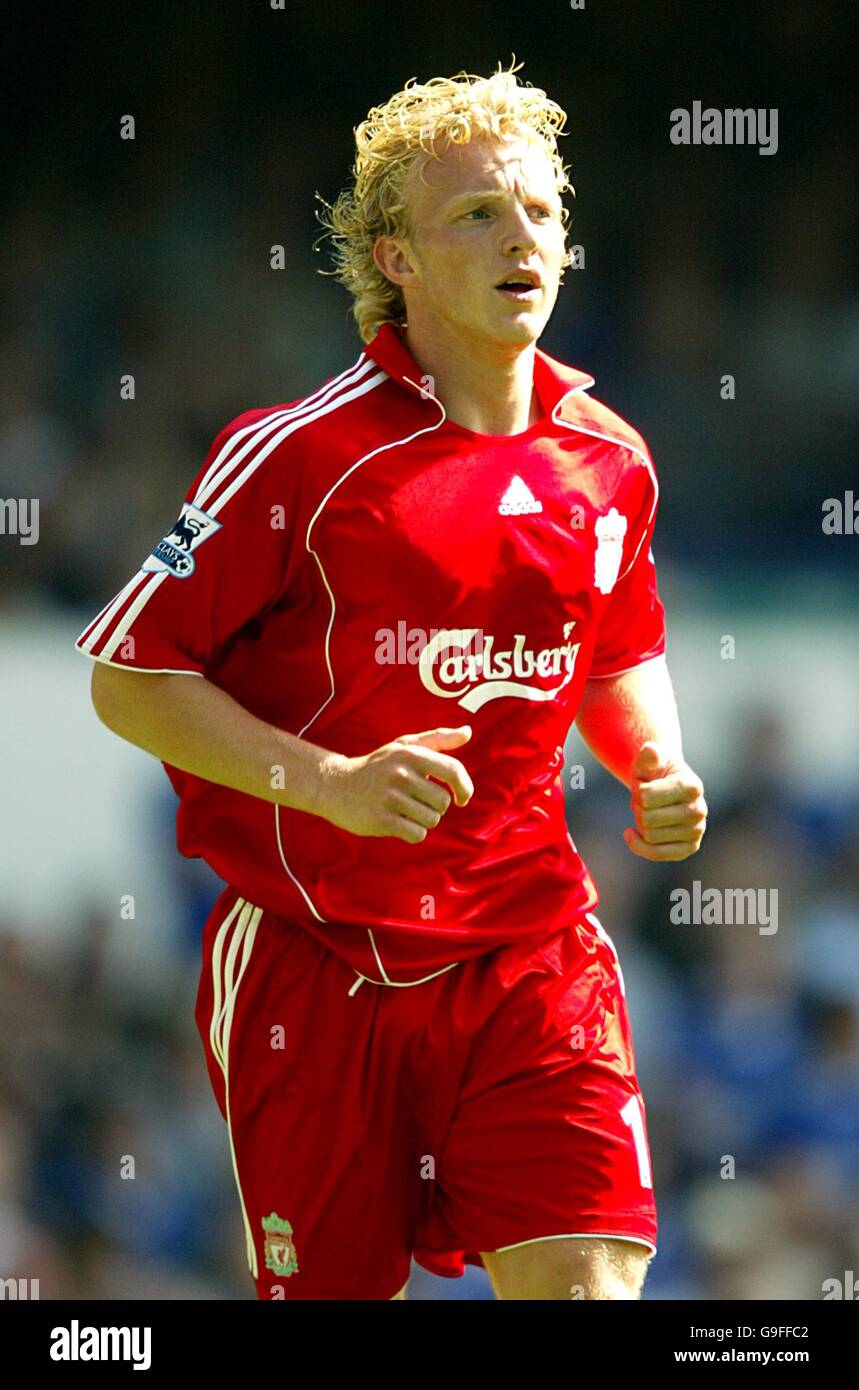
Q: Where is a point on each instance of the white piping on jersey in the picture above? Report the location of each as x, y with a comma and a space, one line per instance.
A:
299, 886
149, 670
223, 1008
296, 417
393, 444
633, 449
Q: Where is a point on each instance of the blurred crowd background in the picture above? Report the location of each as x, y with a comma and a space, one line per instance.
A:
152, 257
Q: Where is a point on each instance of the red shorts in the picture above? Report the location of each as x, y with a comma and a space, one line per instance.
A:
492, 1105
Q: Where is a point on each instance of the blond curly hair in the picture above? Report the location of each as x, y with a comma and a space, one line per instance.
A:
424, 119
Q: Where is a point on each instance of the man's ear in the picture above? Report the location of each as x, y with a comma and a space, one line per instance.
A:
395, 259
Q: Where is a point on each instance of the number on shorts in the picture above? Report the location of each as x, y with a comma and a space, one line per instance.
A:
632, 1116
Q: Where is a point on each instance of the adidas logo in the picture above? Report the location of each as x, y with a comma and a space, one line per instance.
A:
518, 499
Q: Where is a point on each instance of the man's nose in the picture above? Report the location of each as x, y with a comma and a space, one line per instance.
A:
520, 236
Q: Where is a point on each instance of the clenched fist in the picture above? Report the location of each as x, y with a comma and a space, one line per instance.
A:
391, 791
668, 805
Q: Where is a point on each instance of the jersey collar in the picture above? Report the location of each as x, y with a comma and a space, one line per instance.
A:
554, 380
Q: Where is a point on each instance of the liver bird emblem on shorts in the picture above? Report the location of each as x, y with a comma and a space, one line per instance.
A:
280, 1254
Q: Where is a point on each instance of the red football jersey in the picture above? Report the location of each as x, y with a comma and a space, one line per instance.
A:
354, 566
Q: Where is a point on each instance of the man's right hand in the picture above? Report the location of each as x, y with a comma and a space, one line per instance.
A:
395, 789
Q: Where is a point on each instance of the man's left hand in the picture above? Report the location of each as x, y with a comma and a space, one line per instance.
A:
668, 805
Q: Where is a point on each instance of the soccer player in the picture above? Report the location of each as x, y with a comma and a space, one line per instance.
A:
358, 652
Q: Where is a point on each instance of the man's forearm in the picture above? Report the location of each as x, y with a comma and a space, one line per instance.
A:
618, 714
195, 726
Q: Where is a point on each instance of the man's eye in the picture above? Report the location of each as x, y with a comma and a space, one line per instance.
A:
479, 211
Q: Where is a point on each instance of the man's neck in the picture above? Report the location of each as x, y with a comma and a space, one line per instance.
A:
490, 391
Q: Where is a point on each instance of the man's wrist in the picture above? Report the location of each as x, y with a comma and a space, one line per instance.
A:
624, 770
308, 776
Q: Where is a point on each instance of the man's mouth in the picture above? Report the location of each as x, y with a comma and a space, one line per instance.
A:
521, 289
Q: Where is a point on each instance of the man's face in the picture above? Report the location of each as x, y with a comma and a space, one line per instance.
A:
488, 210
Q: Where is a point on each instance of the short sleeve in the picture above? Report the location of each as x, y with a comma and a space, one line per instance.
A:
223, 562
632, 627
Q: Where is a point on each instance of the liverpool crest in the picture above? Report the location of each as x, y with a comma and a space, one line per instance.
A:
610, 531
280, 1256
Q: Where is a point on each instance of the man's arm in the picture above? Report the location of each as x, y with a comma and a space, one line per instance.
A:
630, 723
189, 722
